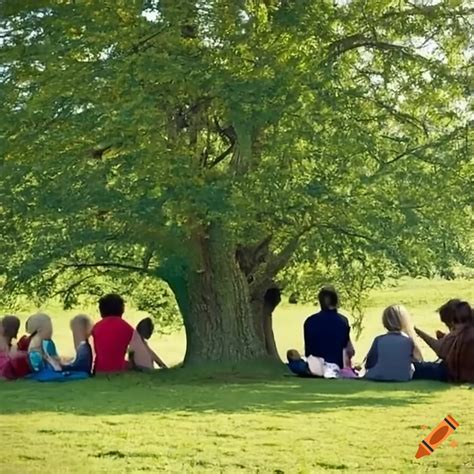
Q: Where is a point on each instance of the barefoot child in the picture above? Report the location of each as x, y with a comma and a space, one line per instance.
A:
141, 357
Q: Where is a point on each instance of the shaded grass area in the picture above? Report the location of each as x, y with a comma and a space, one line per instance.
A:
260, 421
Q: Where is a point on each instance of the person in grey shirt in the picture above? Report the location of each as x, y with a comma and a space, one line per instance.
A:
391, 356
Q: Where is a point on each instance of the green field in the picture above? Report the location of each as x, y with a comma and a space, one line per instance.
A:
257, 420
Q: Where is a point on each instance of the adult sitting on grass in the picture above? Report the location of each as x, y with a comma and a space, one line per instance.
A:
447, 314
455, 349
111, 335
327, 333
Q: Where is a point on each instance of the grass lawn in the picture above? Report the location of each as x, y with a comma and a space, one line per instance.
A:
259, 420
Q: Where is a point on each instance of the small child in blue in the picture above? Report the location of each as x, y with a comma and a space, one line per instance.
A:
42, 356
81, 327
297, 364
42, 350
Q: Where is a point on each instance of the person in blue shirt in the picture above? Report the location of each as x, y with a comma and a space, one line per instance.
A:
81, 327
327, 333
297, 364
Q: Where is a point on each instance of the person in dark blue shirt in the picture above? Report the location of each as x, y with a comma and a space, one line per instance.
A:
81, 327
327, 333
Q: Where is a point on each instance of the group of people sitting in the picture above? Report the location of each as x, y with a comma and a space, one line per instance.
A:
329, 352
35, 356
394, 356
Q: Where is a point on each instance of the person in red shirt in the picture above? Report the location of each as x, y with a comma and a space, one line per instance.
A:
111, 335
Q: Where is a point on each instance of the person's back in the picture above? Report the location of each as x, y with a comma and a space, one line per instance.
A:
457, 348
326, 335
461, 360
81, 327
390, 358
141, 356
111, 335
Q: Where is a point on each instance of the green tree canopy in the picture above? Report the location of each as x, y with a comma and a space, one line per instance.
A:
223, 146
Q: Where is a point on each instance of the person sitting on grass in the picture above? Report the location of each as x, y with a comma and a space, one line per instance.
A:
141, 357
42, 352
447, 314
437, 370
24, 341
81, 326
297, 364
455, 349
13, 364
42, 355
391, 355
316, 367
111, 335
9, 326
327, 333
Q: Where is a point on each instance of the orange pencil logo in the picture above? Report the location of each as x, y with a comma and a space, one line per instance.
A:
436, 437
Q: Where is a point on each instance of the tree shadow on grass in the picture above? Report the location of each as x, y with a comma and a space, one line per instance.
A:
185, 392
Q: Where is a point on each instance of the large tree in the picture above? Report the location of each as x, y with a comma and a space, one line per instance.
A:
222, 145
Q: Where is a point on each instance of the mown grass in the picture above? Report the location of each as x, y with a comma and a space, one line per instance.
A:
245, 419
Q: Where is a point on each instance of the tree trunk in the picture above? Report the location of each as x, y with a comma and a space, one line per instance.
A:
263, 305
214, 299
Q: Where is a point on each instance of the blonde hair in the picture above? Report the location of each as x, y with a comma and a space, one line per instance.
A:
38, 322
397, 318
293, 354
80, 320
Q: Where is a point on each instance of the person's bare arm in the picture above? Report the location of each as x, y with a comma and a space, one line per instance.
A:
432, 342
157, 360
350, 351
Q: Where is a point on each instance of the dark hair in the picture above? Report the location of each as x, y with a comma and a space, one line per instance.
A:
272, 297
111, 305
463, 313
448, 310
145, 328
328, 298
11, 325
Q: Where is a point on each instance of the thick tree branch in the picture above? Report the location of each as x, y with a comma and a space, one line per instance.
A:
435, 143
157, 272
137, 47
222, 156
275, 263
343, 45
250, 257
66, 292
428, 11
122, 266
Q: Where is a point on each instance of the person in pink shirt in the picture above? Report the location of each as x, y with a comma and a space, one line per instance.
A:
111, 335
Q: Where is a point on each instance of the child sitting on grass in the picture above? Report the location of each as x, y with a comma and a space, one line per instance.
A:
391, 355
42, 350
9, 326
42, 356
140, 356
81, 327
